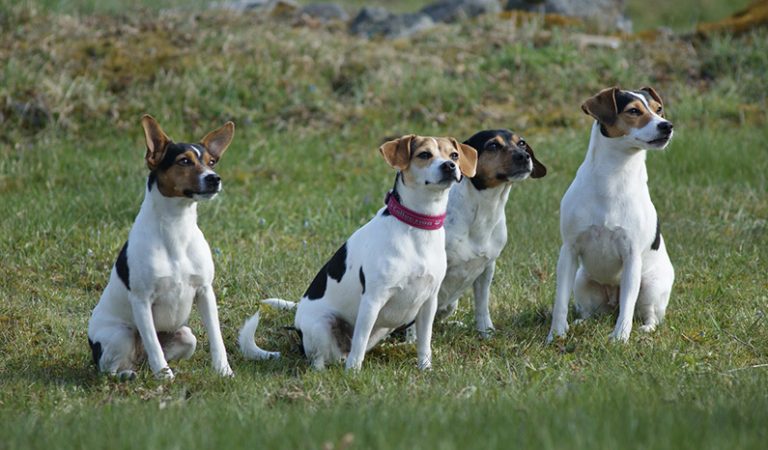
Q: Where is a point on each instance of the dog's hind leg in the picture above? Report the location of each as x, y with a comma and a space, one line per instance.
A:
116, 350
589, 297
180, 344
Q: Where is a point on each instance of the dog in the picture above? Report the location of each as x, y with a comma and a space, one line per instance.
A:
476, 228
387, 274
613, 251
165, 266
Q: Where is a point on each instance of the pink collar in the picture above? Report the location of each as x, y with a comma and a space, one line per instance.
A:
412, 218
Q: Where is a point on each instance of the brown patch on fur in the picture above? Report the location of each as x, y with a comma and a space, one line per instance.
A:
157, 141
397, 153
182, 178
617, 123
217, 141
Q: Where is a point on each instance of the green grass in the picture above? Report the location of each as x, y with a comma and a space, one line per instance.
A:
311, 107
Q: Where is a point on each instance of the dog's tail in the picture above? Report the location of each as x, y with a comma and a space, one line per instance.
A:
248, 347
279, 303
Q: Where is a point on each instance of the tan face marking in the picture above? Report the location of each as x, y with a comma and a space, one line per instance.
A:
633, 115
419, 152
496, 162
184, 176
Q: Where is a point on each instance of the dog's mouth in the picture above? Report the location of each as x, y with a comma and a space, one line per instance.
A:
201, 195
516, 174
659, 142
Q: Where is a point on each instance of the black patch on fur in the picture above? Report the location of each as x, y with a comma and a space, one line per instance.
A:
386, 212
478, 141
121, 265
342, 331
657, 240
95, 351
151, 180
362, 278
399, 334
334, 268
622, 100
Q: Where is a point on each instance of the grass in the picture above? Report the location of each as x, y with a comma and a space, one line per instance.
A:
311, 107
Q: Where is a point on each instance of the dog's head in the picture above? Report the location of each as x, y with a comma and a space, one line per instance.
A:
634, 117
185, 170
503, 157
433, 162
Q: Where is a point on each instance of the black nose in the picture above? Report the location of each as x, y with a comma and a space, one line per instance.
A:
665, 127
212, 180
520, 157
448, 166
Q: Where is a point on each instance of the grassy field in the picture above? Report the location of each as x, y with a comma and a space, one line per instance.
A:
311, 108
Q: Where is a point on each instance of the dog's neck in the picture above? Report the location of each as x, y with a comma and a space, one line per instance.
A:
493, 199
174, 215
424, 201
612, 161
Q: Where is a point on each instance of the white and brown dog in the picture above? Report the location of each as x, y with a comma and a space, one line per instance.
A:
165, 266
476, 226
388, 273
613, 251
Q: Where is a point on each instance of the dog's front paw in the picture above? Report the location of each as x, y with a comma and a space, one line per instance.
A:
126, 375
225, 371
557, 331
621, 336
164, 374
487, 333
648, 328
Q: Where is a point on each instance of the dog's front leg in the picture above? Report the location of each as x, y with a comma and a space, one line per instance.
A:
206, 302
628, 293
424, 321
370, 305
567, 264
142, 316
482, 291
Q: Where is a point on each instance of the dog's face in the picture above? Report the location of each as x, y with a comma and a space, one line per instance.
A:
634, 117
503, 157
433, 162
185, 170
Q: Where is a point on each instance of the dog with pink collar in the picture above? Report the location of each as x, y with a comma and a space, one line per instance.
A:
388, 273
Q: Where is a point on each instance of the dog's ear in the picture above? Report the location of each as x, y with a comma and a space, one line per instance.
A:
157, 141
397, 153
653, 93
602, 106
467, 158
539, 170
217, 141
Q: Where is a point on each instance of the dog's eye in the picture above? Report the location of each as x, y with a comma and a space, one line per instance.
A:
493, 145
521, 143
634, 111
212, 162
424, 155
455, 156
185, 162
660, 111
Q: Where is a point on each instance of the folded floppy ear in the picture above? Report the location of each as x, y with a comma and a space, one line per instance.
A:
157, 141
467, 158
539, 170
397, 153
217, 141
654, 94
602, 106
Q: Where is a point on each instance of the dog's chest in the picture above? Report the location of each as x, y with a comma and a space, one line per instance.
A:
408, 297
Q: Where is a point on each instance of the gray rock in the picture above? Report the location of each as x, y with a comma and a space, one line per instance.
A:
605, 14
454, 10
324, 12
377, 21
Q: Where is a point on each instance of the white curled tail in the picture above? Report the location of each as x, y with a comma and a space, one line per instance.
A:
248, 347
279, 303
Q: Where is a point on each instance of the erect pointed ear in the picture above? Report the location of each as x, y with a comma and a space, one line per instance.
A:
397, 153
602, 106
539, 170
157, 141
654, 94
467, 158
217, 141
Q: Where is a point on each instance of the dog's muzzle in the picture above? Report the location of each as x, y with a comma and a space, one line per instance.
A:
450, 172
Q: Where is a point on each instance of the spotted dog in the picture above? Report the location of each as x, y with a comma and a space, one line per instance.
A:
476, 227
388, 273
165, 266
613, 251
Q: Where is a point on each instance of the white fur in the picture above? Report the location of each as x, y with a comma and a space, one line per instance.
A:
170, 268
608, 223
403, 268
476, 233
